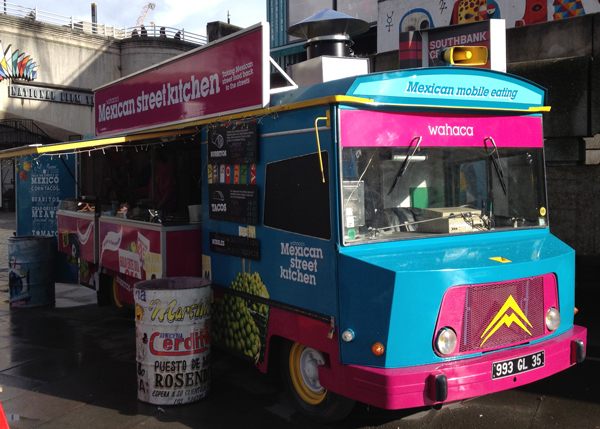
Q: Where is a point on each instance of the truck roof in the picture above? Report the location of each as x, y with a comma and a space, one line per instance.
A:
430, 88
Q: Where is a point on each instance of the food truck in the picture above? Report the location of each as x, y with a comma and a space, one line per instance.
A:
382, 238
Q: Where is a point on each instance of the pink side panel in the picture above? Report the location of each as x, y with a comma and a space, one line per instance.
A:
125, 286
376, 129
468, 378
452, 312
550, 294
71, 227
303, 330
184, 253
401, 388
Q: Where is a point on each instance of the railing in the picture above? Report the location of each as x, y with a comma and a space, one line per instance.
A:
22, 131
101, 29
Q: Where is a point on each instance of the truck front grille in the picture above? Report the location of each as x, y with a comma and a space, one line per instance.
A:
501, 314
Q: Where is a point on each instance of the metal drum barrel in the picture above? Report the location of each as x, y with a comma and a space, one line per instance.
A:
31, 270
172, 339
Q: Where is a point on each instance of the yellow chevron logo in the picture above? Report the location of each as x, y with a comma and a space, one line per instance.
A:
502, 318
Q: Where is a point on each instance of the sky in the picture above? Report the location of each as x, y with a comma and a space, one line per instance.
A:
191, 15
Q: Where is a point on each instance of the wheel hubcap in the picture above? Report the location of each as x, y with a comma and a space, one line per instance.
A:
304, 371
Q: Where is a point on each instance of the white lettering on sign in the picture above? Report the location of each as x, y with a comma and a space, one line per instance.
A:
450, 91
449, 130
169, 94
123, 284
464, 39
129, 264
303, 264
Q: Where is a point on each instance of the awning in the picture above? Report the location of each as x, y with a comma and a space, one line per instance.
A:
90, 144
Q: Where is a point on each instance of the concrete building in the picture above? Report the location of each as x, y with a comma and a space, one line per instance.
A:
48, 87
71, 62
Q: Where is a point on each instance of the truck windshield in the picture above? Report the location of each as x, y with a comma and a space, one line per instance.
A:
393, 193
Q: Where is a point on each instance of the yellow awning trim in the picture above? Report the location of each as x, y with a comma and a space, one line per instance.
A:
86, 144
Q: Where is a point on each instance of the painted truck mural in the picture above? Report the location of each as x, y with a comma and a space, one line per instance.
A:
397, 16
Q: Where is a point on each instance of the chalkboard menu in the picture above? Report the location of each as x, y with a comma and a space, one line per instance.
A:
233, 203
233, 144
233, 245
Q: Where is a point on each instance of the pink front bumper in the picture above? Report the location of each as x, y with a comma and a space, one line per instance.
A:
466, 378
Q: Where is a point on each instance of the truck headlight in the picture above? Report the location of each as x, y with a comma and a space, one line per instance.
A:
445, 343
552, 319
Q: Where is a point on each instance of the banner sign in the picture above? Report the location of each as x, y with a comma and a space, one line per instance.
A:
233, 144
227, 76
451, 86
234, 245
234, 203
133, 251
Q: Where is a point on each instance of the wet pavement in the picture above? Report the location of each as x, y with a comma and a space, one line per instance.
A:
73, 365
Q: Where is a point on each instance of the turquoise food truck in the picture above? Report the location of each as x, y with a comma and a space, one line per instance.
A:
387, 240
382, 238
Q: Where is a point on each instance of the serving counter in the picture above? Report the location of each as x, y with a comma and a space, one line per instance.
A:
129, 250
78, 234
145, 250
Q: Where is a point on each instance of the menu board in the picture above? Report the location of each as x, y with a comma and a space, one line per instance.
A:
41, 184
233, 144
233, 203
234, 245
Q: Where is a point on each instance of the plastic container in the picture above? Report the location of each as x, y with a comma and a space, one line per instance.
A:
172, 339
31, 272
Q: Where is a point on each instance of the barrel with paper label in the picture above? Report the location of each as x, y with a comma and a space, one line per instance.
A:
172, 339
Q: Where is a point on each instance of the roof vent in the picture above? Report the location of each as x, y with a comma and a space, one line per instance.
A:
328, 33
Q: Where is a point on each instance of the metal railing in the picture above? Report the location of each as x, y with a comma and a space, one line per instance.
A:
152, 30
24, 131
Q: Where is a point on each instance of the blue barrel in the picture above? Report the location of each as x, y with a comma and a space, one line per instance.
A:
31, 270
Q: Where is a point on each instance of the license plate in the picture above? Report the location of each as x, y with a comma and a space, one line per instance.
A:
509, 367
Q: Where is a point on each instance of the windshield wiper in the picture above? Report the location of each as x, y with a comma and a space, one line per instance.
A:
496, 162
405, 164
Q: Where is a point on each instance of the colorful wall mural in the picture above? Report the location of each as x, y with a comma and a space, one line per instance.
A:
397, 16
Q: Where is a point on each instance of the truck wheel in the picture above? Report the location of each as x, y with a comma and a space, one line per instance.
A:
300, 374
104, 291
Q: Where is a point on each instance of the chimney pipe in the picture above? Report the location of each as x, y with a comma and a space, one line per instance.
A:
94, 18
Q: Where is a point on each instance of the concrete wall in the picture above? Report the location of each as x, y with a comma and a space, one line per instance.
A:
77, 61
560, 56
137, 53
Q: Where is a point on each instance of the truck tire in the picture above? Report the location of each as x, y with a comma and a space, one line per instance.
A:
300, 375
104, 291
